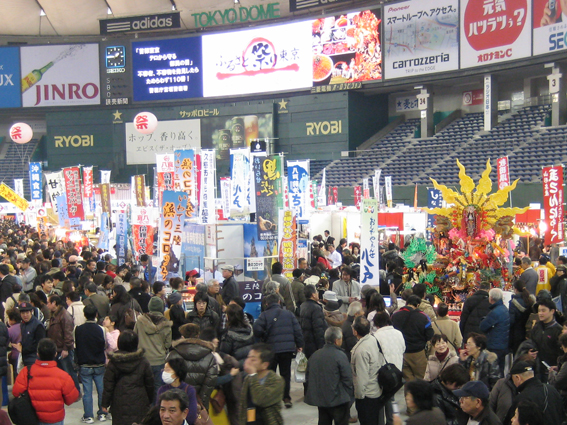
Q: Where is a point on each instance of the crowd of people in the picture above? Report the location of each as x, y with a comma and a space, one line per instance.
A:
75, 322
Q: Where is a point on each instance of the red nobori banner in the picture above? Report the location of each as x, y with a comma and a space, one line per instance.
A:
143, 239
503, 171
88, 182
357, 196
72, 178
553, 203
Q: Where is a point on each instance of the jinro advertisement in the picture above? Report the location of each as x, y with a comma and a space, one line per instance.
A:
549, 26
421, 37
258, 60
495, 31
346, 48
60, 75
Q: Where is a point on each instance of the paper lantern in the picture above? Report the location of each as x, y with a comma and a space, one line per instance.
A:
145, 122
21, 133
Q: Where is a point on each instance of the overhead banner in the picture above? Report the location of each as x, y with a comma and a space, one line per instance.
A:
321, 199
173, 214
298, 183
434, 200
421, 37
60, 75
553, 203
369, 261
376, 184
143, 237
239, 183
55, 187
473, 97
288, 243
88, 193
121, 238
207, 190
72, 178
225, 196
503, 172
267, 180
10, 91
495, 31
549, 26
185, 172
165, 174
406, 103
36, 181
19, 187
105, 198
11, 196
357, 196
388, 187
140, 190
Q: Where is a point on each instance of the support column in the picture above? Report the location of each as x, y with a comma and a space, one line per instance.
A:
490, 102
557, 93
426, 108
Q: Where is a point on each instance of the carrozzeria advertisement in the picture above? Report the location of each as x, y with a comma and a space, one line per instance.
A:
421, 37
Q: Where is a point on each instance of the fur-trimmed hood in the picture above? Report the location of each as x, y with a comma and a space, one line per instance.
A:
127, 362
241, 334
192, 349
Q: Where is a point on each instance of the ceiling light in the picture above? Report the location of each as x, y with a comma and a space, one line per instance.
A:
109, 11
236, 1
41, 12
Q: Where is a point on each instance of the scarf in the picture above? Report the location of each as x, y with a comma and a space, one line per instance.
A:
442, 356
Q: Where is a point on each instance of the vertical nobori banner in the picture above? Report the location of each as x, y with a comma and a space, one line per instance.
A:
103, 241
121, 238
369, 253
88, 194
36, 180
140, 190
376, 184
165, 174
105, 197
288, 243
366, 188
19, 187
185, 172
434, 200
173, 215
207, 190
267, 180
55, 187
225, 196
503, 172
240, 187
357, 196
553, 203
388, 184
299, 182
72, 178
321, 199
143, 230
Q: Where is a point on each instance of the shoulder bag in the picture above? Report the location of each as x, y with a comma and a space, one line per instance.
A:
21, 408
389, 377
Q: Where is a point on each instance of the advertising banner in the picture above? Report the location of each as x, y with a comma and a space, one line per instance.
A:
258, 60
165, 174
168, 136
357, 196
503, 172
346, 48
225, 196
62, 212
121, 238
366, 188
553, 203
267, 180
288, 243
434, 200
36, 181
19, 187
185, 172
193, 246
421, 37
207, 189
55, 187
88, 193
494, 31
60, 75
105, 176
321, 200
240, 188
335, 195
145, 216
73, 191
388, 187
298, 183
143, 237
369, 261
376, 184
549, 26
105, 198
473, 97
171, 231
167, 69
10, 92
11, 196
140, 190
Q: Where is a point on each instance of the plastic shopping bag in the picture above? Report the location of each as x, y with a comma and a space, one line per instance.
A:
301, 361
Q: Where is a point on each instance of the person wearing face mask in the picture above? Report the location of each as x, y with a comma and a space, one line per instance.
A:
173, 376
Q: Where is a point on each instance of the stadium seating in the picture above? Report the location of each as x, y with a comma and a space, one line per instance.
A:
14, 165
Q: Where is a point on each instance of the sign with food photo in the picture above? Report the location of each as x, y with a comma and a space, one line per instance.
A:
347, 48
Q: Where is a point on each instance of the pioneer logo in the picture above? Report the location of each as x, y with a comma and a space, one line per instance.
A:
397, 9
141, 23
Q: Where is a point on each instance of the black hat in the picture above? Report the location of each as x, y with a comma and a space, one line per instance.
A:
521, 367
25, 307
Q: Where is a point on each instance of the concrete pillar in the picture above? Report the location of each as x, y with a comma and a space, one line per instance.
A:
425, 105
490, 101
557, 93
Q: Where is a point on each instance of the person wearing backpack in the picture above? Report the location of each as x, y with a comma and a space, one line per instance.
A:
122, 305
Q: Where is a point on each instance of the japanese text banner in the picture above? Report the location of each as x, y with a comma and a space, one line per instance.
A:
239, 186
88, 192
434, 200
207, 190
72, 178
369, 258
55, 187
173, 214
12, 197
298, 183
36, 186
288, 243
121, 238
553, 203
185, 172
143, 239
140, 190
267, 180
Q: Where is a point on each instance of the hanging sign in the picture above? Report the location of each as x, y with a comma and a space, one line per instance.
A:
267, 179
207, 189
36, 181
553, 203
298, 181
369, 261
13, 197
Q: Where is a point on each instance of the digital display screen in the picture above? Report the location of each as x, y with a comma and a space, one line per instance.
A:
167, 69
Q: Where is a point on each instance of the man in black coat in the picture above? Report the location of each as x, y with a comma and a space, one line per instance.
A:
229, 285
312, 321
33, 331
475, 308
7, 282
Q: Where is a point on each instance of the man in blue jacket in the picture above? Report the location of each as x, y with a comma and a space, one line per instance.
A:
280, 329
496, 327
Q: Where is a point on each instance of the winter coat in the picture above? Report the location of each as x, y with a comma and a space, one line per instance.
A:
349, 340
267, 397
558, 378
496, 326
556, 282
313, 326
345, 291
236, 342
177, 317
426, 307
330, 378
366, 361
285, 291
50, 388
118, 310
60, 330
444, 325
279, 328
430, 417
128, 387
530, 278
208, 320
142, 297
3, 349
229, 290
298, 291
502, 396
393, 346
415, 326
446, 401
519, 314
154, 333
485, 368
545, 396
76, 311
32, 332
201, 364
334, 317
486, 417
546, 339
434, 366
475, 308
101, 303
562, 286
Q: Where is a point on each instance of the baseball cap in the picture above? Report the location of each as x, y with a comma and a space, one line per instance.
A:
521, 367
227, 267
473, 389
192, 273
25, 307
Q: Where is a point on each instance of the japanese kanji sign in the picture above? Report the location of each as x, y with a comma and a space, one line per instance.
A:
185, 173
267, 180
72, 178
140, 190
121, 238
207, 190
553, 203
55, 187
239, 186
434, 200
105, 197
36, 181
388, 187
369, 261
503, 172
173, 215
298, 183
88, 193
13, 198
288, 243
143, 239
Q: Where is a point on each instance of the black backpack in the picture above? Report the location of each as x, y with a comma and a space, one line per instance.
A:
21, 409
390, 378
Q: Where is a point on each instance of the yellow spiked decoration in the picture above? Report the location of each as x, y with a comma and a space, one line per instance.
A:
474, 212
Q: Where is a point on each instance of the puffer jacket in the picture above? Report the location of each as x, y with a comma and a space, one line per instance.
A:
446, 401
128, 386
60, 330
502, 396
519, 314
496, 326
313, 326
3, 349
434, 366
236, 342
279, 328
154, 333
475, 308
201, 364
485, 368
49, 389
208, 320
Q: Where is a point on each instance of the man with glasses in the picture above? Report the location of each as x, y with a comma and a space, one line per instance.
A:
473, 398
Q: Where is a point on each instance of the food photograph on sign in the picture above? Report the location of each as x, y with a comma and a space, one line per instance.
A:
495, 31
346, 48
167, 69
256, 61
549, 26
60, 75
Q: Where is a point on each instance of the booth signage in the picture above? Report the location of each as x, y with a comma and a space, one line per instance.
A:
553, 203
254, 264
163, 21
369, 261
232, 16
173, 214
36, 181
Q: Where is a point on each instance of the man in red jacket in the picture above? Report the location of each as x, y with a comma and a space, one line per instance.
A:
49, 387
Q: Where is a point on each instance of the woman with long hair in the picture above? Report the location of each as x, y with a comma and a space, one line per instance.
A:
519, 310
121, 302
239, 337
